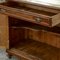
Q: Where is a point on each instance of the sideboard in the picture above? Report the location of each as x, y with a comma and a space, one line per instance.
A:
30, 33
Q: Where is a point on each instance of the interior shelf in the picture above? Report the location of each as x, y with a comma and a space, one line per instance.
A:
34, 50
29, 41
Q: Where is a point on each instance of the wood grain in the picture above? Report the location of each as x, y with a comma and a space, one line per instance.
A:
50, 38
4, 31
47, 18
33, 50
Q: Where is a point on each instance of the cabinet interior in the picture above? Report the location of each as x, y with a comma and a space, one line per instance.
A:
24, 45
13, 22
30, 40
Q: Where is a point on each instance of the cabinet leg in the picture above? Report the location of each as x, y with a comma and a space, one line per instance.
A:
9, 56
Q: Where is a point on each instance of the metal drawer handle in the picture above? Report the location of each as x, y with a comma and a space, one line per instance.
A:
38, 19
2, 10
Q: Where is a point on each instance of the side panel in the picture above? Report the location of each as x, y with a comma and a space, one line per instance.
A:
4, 32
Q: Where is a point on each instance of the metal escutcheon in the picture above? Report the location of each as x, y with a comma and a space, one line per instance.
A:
38, 19
2, 10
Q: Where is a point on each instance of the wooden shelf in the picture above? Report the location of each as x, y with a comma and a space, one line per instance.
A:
33, 50
31, 29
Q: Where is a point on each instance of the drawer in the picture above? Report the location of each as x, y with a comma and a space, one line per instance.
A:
44, 18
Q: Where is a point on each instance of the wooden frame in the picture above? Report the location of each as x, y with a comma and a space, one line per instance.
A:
47, 17
25, 36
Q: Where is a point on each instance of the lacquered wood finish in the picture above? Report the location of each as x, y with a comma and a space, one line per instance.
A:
33, 50
32, 42
32, 31
4, 31
32, 34
43, 16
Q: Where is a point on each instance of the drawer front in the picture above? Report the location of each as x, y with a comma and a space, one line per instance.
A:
31, 17
40, 19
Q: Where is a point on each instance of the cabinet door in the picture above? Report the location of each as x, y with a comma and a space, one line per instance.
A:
4, 36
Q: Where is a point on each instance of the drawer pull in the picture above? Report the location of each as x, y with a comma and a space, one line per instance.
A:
2, 10
38, 19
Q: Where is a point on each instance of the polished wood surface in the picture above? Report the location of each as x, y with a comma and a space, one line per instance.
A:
43, 16
33, 50
43, 36
36, 32
33, 43
30, 33
4, 31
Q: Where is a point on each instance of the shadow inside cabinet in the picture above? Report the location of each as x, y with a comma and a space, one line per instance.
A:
31, 41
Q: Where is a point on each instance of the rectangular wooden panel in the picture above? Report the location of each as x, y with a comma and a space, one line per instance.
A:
4, 33
34, 50
40, 17
43, 36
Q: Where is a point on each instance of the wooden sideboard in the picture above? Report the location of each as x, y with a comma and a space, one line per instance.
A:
29, 33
